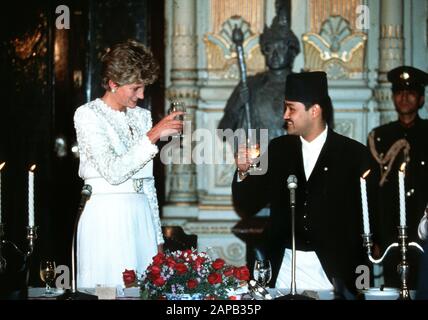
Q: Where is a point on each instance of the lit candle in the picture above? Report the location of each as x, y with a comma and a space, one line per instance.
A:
31, 196
364, 203
402, 194
1, 167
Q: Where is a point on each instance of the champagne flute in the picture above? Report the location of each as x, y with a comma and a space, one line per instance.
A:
47, 274
262, 272
177, 105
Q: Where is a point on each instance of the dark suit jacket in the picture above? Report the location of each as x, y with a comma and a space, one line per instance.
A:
328, 208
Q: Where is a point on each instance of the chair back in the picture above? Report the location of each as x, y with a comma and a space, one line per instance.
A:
177, 239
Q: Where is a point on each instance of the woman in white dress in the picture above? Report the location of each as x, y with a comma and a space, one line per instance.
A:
120, 227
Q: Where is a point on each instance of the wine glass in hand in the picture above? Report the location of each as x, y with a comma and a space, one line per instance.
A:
175, 106
47, 274
254, 154
262, 272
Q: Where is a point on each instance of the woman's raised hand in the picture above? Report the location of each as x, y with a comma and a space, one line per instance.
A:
166, 127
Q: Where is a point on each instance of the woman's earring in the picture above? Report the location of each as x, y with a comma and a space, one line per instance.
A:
113, 90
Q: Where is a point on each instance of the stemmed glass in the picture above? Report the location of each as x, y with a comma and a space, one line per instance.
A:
262, 272
47, 274
254, 153
177, 105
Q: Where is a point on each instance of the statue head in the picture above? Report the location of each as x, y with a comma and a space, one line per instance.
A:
279, 44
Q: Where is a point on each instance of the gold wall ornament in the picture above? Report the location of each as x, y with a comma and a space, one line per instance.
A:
321, 10
221, 53
250, 10
336, 49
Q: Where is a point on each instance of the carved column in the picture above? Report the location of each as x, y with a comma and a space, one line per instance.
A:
183, 87
391, 52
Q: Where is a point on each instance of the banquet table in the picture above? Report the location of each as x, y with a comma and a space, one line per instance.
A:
118, 293
37, 293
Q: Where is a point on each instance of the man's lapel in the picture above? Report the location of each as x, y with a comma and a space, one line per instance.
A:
300, 164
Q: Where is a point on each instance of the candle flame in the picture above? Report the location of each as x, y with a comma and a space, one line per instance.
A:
366, 174
33, 167
403, 167
2, 165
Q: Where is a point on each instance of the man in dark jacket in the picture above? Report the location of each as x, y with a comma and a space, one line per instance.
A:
404, 140
328, 168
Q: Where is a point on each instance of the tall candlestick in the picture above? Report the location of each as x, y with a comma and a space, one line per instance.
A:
364, 203
402, 195
31, 196
1, 167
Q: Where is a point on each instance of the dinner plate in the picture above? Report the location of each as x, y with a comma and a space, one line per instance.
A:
381, 294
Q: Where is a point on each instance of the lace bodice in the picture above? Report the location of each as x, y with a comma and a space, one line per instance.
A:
113, 145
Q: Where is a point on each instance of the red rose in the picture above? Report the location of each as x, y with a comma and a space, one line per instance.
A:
200, 260
228, 272
197, 263
218, 264
233, 298
214, 278
129, 277
159, 258
155, 270
170, 262
242, 273
159, 281
181, 268
192, 283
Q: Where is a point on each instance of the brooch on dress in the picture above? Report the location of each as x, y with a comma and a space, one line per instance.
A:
138, 184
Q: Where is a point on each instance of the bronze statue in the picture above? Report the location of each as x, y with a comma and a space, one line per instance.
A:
265, 93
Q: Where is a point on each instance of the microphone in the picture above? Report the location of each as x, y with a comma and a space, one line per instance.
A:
292, 186
86, 194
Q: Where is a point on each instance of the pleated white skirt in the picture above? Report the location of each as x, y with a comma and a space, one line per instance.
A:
116, 232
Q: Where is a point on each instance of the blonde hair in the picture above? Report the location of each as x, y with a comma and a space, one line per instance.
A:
129, 62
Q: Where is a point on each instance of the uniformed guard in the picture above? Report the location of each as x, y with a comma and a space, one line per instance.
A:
404, 140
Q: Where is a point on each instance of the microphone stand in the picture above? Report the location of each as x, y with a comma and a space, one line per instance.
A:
292, 185
74, 294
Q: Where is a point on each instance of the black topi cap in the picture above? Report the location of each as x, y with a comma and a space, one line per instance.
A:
408, 78
309, 87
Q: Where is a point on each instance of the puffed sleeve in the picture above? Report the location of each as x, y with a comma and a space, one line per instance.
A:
95, 145
150, 191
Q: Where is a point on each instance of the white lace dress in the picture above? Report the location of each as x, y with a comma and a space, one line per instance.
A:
120, 227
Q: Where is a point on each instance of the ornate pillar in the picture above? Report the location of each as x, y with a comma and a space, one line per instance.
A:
391, 52
183, 87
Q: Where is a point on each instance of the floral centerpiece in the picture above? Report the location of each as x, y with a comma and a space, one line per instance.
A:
172, 275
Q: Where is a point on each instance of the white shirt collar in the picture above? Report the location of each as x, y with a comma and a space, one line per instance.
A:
311, 151
320, 140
